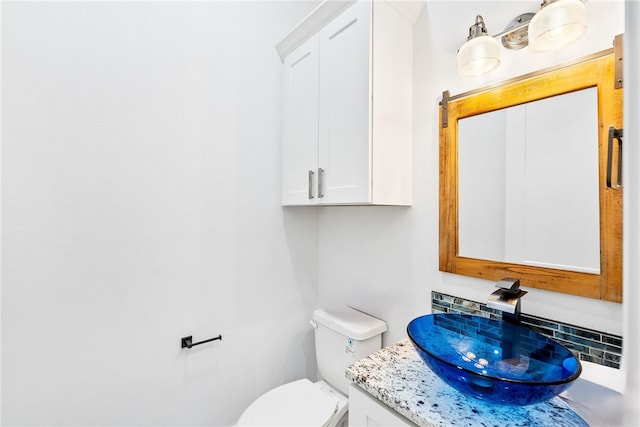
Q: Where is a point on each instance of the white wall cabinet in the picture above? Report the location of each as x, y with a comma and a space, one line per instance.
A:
347, 108
366, 411
301, 123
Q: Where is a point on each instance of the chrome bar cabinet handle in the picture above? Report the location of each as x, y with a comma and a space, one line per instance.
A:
310, 185
320, 181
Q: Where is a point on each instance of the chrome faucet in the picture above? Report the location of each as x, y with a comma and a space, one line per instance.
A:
507, 299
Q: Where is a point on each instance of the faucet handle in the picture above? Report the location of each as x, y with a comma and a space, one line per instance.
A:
509, 285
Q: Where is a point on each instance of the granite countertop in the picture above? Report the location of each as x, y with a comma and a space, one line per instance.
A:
398, 377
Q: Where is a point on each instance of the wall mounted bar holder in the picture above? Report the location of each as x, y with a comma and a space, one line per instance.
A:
617, 135
188, 341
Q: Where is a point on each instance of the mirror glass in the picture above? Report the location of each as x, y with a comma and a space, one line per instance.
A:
528, 183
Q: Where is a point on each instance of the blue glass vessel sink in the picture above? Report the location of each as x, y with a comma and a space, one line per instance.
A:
492, 360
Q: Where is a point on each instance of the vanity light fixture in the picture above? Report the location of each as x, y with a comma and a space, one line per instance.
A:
480, 54
557, 24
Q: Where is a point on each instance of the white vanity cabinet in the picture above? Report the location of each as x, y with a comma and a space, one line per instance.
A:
347, 107
367, 411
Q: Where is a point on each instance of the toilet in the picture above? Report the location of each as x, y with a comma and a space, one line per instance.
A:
342, 336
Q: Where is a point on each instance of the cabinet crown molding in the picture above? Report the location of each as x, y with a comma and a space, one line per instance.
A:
327, 11
324, 13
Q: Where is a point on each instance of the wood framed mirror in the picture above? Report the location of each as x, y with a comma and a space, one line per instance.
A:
524, 173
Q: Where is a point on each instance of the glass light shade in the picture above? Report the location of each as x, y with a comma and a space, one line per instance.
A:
557, 25
478, 56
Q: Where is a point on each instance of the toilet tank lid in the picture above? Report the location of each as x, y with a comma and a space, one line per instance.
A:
350, 322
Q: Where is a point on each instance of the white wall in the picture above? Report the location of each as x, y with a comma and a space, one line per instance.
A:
385, 260
140, 204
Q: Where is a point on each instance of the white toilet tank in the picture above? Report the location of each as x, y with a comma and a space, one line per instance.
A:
342, 337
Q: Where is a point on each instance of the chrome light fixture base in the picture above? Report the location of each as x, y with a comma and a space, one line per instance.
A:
516, 34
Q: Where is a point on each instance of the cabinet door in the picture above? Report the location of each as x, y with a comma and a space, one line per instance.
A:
300, 138
366, 411
344, 146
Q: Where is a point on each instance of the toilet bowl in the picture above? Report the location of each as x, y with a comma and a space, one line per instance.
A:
342, 336
298, 403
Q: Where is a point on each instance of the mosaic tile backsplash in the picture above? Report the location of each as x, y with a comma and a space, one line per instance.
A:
587, 344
